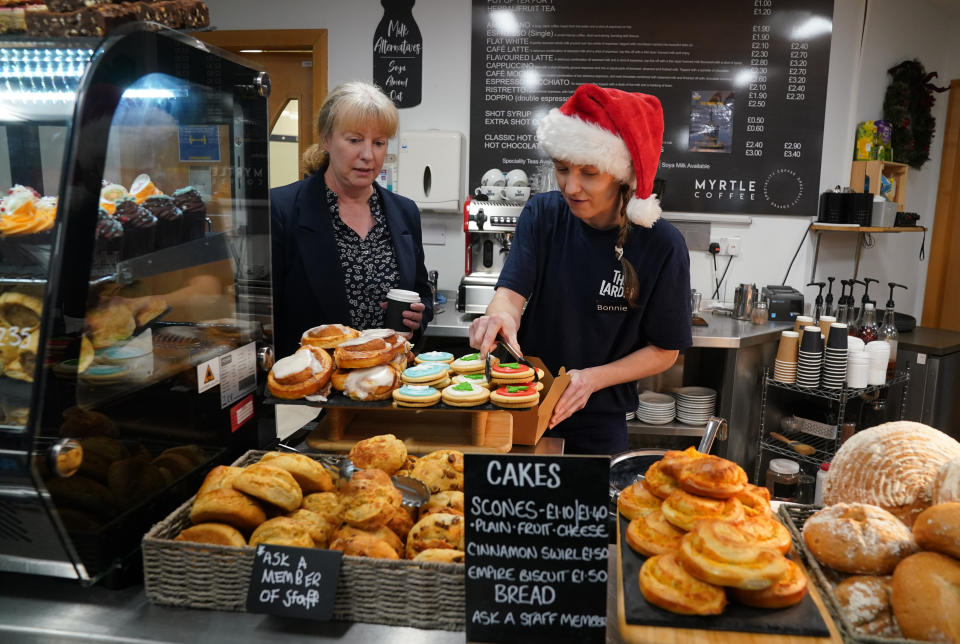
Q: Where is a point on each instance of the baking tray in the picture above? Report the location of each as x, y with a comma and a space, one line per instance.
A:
803, 619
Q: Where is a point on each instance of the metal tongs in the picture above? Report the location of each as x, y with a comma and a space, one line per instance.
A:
515, 355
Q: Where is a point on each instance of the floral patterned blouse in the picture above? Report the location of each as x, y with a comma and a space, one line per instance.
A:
369, 264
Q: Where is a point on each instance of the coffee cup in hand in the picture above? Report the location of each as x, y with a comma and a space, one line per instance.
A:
398, 301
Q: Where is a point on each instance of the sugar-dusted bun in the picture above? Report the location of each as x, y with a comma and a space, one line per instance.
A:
272, 484
651, 534
309, 474
926, 597
891, 465
229, 506
711, 476
938, 528
282, 531
858, 538
385, 452
219, 534
665, 582
636, 500
788, 590
328, 336
865, 602
683, 509
717, 552
371, 383
946, 485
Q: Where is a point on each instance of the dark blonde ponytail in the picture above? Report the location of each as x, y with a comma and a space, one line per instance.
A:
631, 283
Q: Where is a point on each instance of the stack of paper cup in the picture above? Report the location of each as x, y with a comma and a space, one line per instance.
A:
857, 363
810, 357
835, 357
824, 323
785, 367
878, 354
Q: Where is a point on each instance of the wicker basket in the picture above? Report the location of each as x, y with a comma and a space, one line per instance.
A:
794, 517
380, 591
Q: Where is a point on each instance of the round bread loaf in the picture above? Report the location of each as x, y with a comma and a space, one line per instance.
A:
892, 466
946, 485
858, 538
865, 602
938, 528
926, 597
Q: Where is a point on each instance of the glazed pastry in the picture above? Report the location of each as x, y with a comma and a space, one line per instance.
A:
364, 351
416, 396
636, 501
683, 509
169, 219
858, 538
310, 475
190, 203
230, 506
788, 590
282, 531
755, 501
674, 459
271, 484
717, 552
385, 452
328, 336
304, 373
651, 534
665, 583
219, 534
373, 383
711, 476
659, 482
465, 394
139, 228
515, 396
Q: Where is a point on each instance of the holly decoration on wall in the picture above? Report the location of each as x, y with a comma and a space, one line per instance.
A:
907, 105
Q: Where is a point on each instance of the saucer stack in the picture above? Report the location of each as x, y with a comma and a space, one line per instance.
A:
695, 405
656, 409
835, 357
631, 415
810, 358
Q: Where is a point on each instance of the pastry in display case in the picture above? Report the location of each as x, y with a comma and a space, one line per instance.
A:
134, 259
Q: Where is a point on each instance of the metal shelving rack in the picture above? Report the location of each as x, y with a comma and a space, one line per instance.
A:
825, 447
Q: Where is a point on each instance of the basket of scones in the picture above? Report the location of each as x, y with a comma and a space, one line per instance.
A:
377, 365
885, 547
696, 539
402, 565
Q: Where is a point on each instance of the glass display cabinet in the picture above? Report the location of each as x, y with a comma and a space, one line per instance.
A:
135, 316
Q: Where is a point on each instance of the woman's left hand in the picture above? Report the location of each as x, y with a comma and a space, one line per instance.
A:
412, 317
575, 396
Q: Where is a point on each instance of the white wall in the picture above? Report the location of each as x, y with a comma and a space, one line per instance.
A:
893, 31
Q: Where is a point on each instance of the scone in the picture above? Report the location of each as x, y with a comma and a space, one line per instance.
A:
320, 526
308, 473
384, 452
271, 484
442, 555
219, 477
448, 502
440, 470
282, 531
219, 534
380, 532
364, 545
230, 506
437, 530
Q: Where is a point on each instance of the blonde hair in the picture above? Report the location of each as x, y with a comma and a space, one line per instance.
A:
351, 105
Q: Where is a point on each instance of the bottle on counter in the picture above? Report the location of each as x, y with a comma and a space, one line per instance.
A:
783, 479
867, 330
888, 330
821, 477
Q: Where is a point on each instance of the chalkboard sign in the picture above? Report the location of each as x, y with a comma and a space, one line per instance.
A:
537, 548
294, 582
743, 84
398, 54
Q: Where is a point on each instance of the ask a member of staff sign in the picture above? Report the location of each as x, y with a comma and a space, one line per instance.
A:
536, 548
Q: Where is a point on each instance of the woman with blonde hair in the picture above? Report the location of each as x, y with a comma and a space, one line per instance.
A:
340, 241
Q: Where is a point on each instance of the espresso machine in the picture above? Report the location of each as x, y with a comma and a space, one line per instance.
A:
488, 232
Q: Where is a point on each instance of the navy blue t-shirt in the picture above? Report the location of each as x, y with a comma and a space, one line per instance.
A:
576, 315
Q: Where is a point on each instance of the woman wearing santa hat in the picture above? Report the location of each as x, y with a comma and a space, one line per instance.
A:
605, 281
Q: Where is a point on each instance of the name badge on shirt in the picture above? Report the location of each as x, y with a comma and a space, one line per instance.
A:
611, 305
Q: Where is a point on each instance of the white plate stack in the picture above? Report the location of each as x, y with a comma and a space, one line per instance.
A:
695, 405
656, 409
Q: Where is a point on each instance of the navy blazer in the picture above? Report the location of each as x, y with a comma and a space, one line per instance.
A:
308, 280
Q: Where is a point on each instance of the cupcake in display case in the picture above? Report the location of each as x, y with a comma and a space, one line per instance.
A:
190, 202
139, 228
108, 246
169, 219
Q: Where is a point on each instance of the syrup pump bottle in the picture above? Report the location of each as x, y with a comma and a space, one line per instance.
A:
888, 330
829, 310
854, 315
866, 293
867, 328
818, 303
843, 308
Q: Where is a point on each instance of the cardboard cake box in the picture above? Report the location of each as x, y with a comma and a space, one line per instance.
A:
381, 591
530, 424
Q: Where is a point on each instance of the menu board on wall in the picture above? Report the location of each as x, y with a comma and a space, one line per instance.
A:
743, 85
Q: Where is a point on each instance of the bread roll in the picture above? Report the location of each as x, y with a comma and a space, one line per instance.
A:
926, 597
858, 538
865, 602
892, 466
938, 528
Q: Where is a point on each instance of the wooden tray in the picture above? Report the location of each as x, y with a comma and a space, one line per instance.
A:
423, 430
678, 634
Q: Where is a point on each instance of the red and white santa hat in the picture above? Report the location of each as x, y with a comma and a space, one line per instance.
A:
621, 133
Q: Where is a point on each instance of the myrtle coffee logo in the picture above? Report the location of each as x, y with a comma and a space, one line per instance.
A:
724, 189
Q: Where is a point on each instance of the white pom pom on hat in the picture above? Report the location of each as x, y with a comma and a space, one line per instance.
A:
621, 133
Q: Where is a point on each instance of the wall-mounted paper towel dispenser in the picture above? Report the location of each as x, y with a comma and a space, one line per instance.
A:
429, 169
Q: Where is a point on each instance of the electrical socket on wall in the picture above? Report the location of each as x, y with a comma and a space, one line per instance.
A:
730, 246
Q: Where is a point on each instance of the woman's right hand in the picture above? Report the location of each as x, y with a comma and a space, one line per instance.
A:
486, 328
